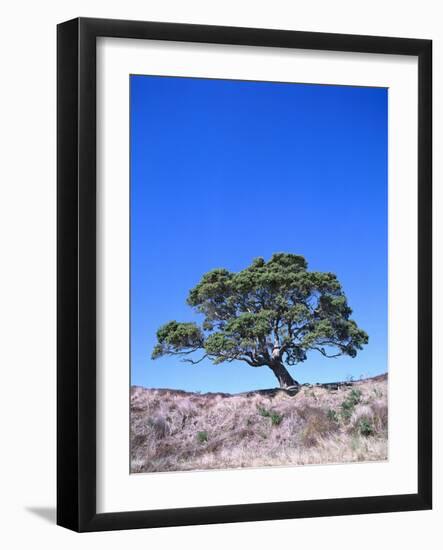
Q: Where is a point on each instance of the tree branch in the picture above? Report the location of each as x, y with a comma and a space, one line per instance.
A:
195, 362
323, 352
188, 352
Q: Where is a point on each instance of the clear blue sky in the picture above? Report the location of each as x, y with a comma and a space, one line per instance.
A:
224, 171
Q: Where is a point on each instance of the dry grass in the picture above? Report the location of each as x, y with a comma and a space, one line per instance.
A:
172, 430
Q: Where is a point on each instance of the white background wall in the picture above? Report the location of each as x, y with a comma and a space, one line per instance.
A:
27, 273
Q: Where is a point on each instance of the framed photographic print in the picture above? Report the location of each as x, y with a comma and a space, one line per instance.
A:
244, 274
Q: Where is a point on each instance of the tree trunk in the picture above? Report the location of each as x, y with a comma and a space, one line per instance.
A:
284, 378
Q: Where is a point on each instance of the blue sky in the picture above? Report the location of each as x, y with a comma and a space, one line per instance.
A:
224, 171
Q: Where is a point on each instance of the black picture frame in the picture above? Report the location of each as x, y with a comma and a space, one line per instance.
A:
76, 279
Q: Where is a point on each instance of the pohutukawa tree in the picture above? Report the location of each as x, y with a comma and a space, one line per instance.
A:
271, 314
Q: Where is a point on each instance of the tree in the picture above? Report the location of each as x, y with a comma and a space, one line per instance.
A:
271, 314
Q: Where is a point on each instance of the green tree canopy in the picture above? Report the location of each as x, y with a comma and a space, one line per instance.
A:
270, 314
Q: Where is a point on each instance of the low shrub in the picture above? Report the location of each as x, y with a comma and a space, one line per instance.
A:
202, 437
369, 420
348, 405
354, 396
365, 427
332, 415
275, 417
263, 412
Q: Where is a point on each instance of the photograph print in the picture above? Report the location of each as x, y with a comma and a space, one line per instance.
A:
259, 274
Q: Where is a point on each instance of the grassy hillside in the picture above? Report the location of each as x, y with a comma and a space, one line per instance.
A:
173, 430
